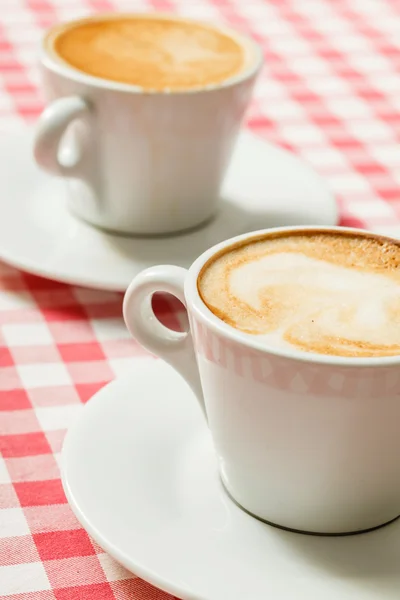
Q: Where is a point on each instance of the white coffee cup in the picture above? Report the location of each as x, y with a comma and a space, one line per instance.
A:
308, 442
137, 161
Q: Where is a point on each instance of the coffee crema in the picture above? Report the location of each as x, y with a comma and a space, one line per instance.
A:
329, 293
152, 53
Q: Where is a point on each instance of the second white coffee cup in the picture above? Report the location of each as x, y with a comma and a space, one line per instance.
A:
306, 441
136, 161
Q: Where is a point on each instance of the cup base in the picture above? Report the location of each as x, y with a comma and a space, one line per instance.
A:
304, 532
143, 234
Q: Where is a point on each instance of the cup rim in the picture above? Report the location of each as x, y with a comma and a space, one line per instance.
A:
200, 309
50, 60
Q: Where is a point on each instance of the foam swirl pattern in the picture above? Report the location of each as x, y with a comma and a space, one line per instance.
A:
331, 294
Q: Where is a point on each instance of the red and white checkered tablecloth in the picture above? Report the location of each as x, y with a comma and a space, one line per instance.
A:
330, 92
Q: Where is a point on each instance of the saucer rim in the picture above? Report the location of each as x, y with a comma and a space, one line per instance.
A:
177, 576
130, 564
22, 138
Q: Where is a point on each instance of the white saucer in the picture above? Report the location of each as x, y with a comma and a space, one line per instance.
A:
265, 187
140, 475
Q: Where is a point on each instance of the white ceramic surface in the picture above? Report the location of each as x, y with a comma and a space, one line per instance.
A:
265, 186
141, 476
139, 161
309, 442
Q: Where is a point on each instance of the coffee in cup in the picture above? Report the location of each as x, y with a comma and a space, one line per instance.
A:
144, 112
293, 353
324, 292
151, 53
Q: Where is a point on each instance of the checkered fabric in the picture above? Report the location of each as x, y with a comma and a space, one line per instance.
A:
330, 92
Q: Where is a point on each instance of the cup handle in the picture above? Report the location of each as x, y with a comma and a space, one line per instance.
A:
51, 126
174, 347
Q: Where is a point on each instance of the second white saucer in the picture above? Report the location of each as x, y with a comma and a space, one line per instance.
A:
265, 187
140, 474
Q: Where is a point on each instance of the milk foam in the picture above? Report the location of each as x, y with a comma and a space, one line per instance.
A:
151, 53
324, 300
295, 299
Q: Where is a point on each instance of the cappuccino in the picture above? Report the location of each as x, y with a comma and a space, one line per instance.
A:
154, 53
329, 293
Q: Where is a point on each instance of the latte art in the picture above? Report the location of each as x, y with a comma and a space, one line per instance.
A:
326, 293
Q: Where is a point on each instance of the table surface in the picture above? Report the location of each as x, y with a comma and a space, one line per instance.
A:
330, 92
